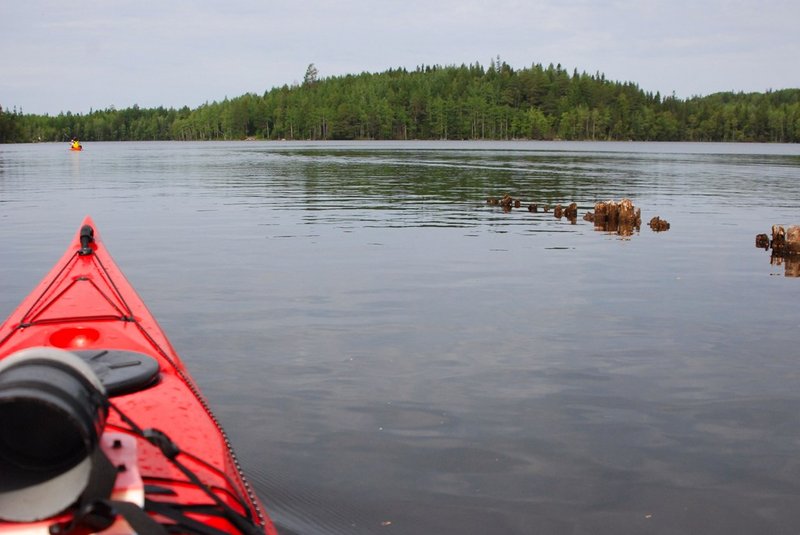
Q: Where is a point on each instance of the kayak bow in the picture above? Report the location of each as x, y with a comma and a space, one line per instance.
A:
88, 380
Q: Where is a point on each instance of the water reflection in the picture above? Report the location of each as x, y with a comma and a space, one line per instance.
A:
790, 263
382, 345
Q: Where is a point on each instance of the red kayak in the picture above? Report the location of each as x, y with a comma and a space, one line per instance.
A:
102, 427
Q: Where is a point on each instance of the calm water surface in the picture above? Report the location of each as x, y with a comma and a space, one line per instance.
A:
391, 355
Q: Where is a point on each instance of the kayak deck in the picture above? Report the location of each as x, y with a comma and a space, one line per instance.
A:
86, 306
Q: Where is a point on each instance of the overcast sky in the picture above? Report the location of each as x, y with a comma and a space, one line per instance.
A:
92, 54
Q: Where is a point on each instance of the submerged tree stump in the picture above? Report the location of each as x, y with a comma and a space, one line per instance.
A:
658, 224
507, 202
621, 217
785, 242
793, 239
785, 245
570, 212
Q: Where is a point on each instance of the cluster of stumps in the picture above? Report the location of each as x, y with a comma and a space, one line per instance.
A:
785, 245
611, 216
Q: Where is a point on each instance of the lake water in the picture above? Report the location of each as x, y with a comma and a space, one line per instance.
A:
390, 354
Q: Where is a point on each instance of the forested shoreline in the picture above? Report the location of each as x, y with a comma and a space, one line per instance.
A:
436, 102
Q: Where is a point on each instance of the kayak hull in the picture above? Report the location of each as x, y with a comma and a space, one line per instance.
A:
85, 305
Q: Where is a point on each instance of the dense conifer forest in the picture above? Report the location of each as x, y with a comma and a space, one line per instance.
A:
439, 102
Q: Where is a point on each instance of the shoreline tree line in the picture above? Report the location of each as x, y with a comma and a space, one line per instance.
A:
439, 102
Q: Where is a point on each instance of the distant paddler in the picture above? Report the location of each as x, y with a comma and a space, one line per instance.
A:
76, 145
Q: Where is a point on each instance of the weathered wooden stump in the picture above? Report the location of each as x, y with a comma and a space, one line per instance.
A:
658, 224
793, 239
785, 242
778, 242
507, 202
621, 217
570, 212
533, 207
